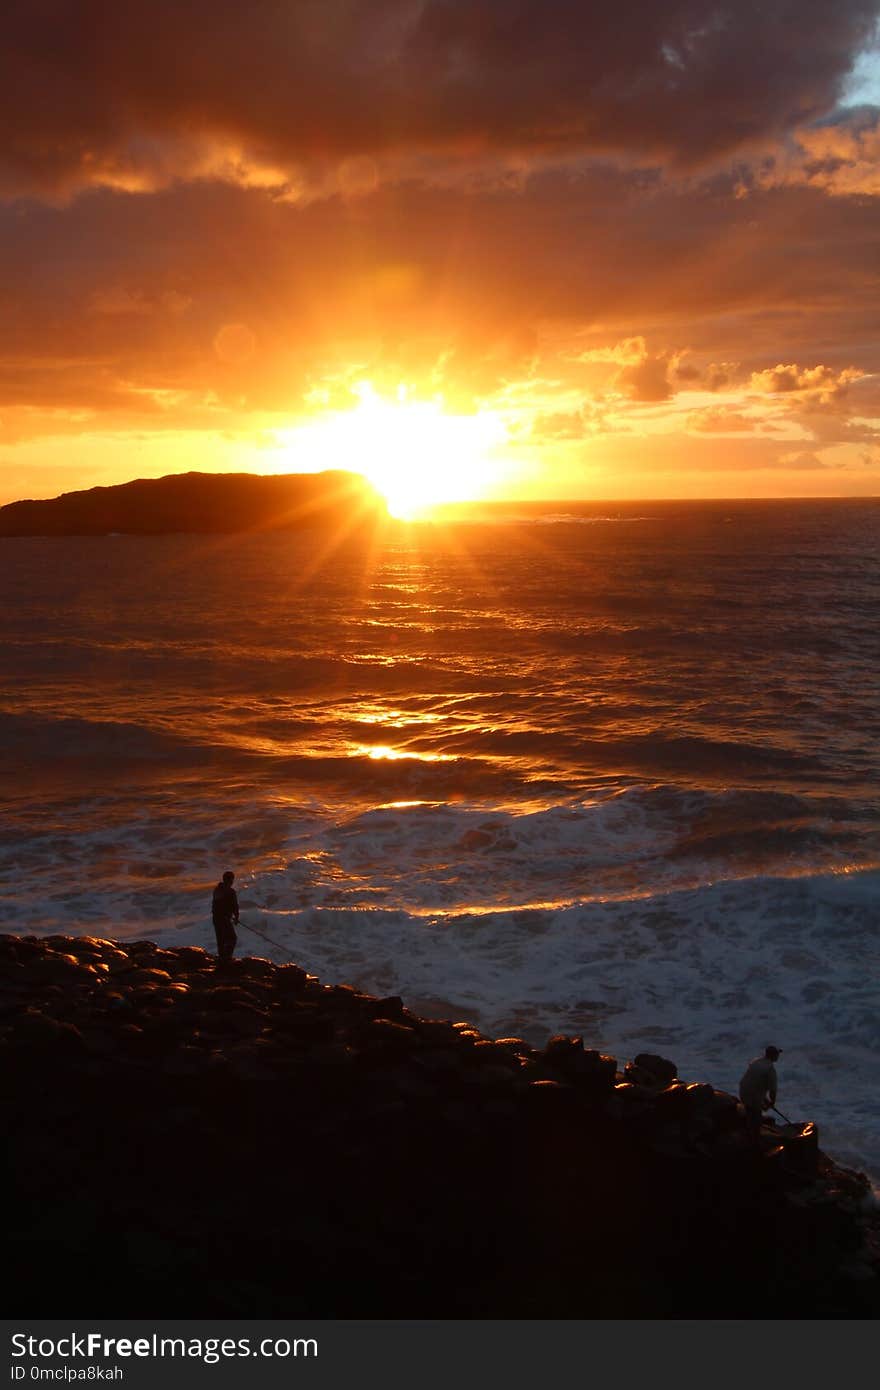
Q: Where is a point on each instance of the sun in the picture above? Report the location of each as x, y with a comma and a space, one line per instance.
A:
414, 452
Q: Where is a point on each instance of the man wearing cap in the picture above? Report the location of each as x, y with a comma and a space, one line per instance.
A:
757, 1089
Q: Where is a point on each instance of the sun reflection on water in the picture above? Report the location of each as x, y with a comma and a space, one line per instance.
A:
384, 752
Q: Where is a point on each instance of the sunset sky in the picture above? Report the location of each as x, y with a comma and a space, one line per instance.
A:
505, 247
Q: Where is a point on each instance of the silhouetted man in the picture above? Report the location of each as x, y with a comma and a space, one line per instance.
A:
224, 911
757, 1088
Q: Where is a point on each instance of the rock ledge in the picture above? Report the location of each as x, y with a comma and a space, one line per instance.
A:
249, 1142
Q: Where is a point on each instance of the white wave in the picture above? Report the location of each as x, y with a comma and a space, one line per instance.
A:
707, 976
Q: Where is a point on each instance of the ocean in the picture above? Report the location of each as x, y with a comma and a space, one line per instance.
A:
607, 769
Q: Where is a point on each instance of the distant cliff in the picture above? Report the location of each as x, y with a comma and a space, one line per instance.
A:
201, 502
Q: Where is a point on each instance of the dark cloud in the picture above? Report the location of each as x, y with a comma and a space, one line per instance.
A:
138, 94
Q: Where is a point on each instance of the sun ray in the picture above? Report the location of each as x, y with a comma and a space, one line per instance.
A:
413, 451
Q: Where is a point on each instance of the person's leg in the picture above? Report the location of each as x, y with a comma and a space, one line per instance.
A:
753, 1120
227, 941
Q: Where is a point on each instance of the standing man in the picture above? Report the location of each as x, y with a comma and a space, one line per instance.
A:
757, 1089
224, 911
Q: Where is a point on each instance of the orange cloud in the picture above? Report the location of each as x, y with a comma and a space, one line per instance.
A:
653, 378
720, 421
821, 383
630, 352
802, 461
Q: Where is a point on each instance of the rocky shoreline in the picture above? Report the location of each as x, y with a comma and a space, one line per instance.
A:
247, 1141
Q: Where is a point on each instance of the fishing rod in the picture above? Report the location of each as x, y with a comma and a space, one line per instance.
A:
277, 944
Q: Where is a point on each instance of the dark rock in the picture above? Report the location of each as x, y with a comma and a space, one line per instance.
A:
647, 1069
628, 1101
725, 1110
800, 1145
440, 1060
440, 1031
590, 1070
38, 1030
390, 1007
489, 1054
673, 1100
385, 1030
226, 996
256, 968
560, 1047
60, 968
194, 958
434, 1162
148, 977
290, 979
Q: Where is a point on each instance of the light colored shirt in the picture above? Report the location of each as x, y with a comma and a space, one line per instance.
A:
758, 1081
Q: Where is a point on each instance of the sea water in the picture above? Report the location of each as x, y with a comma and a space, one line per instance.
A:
599, 769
